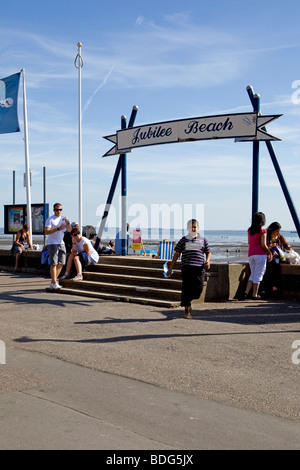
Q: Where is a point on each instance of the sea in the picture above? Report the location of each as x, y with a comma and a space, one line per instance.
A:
227, 246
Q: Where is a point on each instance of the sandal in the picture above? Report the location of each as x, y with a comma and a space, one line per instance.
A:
187, 314
65, 276
77, 278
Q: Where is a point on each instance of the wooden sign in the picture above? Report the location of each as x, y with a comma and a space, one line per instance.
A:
244, 126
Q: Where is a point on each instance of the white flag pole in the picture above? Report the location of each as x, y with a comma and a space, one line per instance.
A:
27, 167
79, 65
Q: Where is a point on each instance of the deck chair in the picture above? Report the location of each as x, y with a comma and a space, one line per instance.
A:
166, 249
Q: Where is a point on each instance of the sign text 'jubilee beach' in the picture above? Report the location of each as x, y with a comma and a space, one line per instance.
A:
246, 126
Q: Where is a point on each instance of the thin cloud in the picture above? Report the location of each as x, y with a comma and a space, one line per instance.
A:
61, 175
89, 101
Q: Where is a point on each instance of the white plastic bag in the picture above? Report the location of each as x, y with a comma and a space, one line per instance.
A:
292, 257
166, 269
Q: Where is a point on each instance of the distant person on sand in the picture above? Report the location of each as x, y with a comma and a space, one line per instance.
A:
55, 227
109, 249
258, 254
21, 244
195, 260
83, 254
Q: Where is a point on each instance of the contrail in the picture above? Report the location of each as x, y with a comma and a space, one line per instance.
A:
97, 89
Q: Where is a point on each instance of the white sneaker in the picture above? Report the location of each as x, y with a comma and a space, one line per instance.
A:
55, 286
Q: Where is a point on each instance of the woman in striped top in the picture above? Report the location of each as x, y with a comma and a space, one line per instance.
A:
195, 259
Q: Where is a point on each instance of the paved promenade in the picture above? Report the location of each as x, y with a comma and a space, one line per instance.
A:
87, 374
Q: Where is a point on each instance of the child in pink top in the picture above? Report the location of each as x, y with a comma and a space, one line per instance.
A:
258, 254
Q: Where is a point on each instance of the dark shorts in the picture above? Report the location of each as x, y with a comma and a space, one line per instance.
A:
57, 254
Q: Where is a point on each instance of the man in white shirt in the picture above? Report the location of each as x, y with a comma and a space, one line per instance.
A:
55, 227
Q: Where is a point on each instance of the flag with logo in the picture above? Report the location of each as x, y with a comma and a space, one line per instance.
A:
9, 89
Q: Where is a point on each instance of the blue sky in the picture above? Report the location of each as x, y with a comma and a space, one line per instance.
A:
173, 60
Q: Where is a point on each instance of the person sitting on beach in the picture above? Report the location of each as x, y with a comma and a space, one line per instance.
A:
109, 249
83, 254
22, 243
276, 243
195, 260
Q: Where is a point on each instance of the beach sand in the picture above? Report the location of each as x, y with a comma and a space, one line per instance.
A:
221, 253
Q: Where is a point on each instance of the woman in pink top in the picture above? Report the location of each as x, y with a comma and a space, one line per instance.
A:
258, 254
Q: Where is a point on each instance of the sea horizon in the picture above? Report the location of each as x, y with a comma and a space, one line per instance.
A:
171, 234
227, 246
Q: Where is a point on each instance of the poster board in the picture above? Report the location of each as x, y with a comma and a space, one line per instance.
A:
137, 240
15, 216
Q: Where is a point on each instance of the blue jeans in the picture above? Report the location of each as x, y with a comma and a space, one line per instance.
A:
86, 260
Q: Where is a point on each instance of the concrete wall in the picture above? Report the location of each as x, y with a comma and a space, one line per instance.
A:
226, 282
30, 261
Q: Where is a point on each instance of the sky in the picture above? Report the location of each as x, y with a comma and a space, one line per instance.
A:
173, 60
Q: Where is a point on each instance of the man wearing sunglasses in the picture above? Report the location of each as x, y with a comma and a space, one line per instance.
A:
55, 227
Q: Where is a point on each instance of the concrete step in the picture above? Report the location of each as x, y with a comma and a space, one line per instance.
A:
132, 280
117, 297
133, 261
124, 289
135, 270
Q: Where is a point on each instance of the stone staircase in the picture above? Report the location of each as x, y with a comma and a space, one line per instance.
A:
128, 279
140, 279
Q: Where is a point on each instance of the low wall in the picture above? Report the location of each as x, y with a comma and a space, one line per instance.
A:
30, 261
224, 281
228, 282
290, 275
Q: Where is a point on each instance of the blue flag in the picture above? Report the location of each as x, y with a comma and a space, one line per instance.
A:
9, 89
